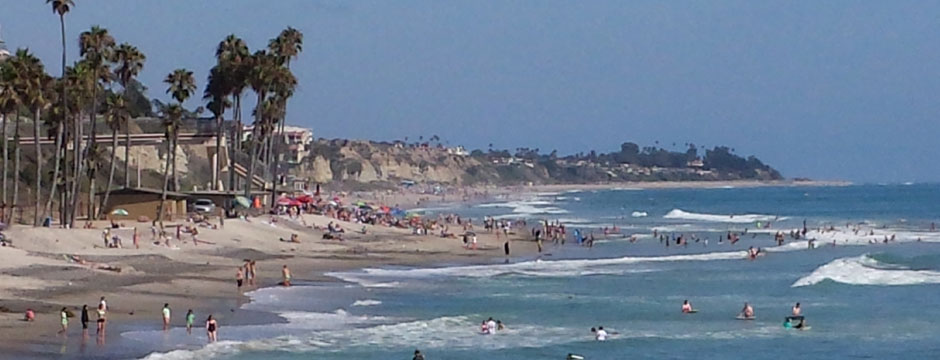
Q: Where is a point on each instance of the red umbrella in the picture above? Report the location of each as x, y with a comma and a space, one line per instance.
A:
306, 199
284, 201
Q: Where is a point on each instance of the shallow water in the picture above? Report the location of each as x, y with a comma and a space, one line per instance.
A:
862, 300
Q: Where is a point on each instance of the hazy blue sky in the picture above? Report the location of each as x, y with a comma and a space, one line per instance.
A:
824, 89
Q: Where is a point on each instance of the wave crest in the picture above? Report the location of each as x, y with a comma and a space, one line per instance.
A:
865, 270
679, 214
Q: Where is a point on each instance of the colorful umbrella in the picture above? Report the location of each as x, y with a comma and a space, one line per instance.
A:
242, 201
120, 212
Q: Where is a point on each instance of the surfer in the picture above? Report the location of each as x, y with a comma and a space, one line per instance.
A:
747, 312
601, 334
687, 307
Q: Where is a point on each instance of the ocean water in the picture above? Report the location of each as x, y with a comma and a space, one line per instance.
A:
861, 299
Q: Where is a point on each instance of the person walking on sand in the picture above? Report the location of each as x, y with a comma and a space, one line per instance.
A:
252, 272
84, 320
136, 239
65, 322
239, 277
166, 317
190, 319
285, 274
212, 329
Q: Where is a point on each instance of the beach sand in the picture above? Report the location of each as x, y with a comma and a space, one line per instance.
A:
40, 272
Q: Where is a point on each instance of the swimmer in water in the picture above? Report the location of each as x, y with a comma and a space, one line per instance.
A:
687, 307
747, 312
600, 334
796, 310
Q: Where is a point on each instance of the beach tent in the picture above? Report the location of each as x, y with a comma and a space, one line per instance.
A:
120, 212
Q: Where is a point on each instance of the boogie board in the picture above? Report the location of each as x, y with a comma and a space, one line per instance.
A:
739, 317
690, 312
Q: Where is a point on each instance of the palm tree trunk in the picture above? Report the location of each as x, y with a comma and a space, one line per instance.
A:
278, 150
166, 180
78, 169
218, 152
127, 154
92, 140
65, 108
107, 190
16, 163
176, 178
3, 135
92, 176
252, 163
55, 173
37, 215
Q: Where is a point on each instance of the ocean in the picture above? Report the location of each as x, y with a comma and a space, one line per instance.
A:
861, 297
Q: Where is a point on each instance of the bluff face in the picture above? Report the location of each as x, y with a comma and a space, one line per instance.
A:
368, 162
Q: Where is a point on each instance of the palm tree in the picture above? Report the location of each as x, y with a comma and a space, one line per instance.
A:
81, 83
62, 7
95, 45
57, 122
36, 95
8, 104
180, 85
20, 77
260, 77
172, 117
286, 46
218, 87
129, 61
233, 58
116, 116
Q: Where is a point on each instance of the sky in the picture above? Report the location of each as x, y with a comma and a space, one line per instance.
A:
843, 90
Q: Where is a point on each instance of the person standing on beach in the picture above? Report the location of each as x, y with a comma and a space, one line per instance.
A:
506, 247
65, 322
102, 314
212, 329
136, 239
166, 317
239, 277
285, 274
84, 320
190, 319
251, 272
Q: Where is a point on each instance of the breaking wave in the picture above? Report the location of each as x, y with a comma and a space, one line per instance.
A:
866, 270
679, 214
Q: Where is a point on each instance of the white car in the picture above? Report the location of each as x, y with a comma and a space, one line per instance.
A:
204, 206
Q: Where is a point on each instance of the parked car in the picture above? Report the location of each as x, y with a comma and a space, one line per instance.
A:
204, 206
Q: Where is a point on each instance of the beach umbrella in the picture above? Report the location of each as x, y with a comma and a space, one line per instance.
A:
120, 212
385, 209
242, 201
284, 201
306, 199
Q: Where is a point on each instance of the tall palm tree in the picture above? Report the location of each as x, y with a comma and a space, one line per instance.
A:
218, 87
129, 61
116, 115
81, 82
96, 46
57, 123
233, 58
172, 117
8, 104
20, 76
286, 46
37, 90
180, 85
62, 7
260, 77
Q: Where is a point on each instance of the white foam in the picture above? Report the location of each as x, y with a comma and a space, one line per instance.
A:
863, 270
639, 214
367, 302
535, 268
527, 207
740, 219
451, 332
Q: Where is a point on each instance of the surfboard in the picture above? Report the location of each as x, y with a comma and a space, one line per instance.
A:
746, 318
691, 312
